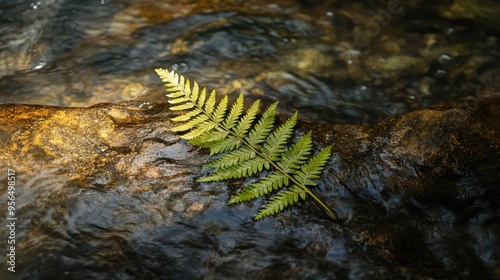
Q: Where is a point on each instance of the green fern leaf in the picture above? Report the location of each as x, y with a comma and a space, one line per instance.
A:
209, 139
261, 130
198, 131
274, 145
220, 112
281, 201
210, 105
235, 113
291, 160
179, 100
233, 158
296, 155
191, 124
271, 182
174, 94
187, 116
246, 121
247, 145
228, 144
202, 98
312, 170
184, 106
195, 93
239, 170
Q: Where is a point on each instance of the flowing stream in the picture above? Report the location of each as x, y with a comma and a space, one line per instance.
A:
73, 53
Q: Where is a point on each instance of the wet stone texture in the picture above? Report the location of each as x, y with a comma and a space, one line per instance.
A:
107, 192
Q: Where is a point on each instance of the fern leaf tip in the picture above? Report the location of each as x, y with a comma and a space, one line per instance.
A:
247, 143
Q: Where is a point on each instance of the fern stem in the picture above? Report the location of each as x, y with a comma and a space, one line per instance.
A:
320, 202
176, 84
331, 214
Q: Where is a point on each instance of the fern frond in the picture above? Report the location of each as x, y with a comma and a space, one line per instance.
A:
291, 160
270, 183
234, 113
195, 93
210, 104
312, 169
247, 145
232, 158
174, 93
198, 131
209, 139
246, 121
239, 170
179, 100
191, 124
220, 112
281, 201
228, 144
202, 98
187, 116
274, 145
184, 106
296, 154
263, 127
184, 85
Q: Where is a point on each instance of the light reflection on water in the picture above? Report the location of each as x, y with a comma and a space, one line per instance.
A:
65, 53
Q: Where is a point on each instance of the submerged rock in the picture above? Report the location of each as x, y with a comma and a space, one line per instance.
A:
108, 192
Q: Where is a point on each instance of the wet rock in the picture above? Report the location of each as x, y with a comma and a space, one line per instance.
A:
108, 192
304, 53
426, 177
84, 142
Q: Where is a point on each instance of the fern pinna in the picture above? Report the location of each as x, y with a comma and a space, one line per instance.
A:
248, 145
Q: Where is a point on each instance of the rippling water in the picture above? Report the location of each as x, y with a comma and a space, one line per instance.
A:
80, 53
74, 53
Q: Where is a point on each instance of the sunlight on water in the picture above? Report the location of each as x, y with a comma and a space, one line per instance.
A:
306, 54
70, 54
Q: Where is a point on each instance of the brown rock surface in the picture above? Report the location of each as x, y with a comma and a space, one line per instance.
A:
83, 141
108, 191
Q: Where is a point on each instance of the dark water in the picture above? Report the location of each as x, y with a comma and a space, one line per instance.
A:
188, 233
79, 53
